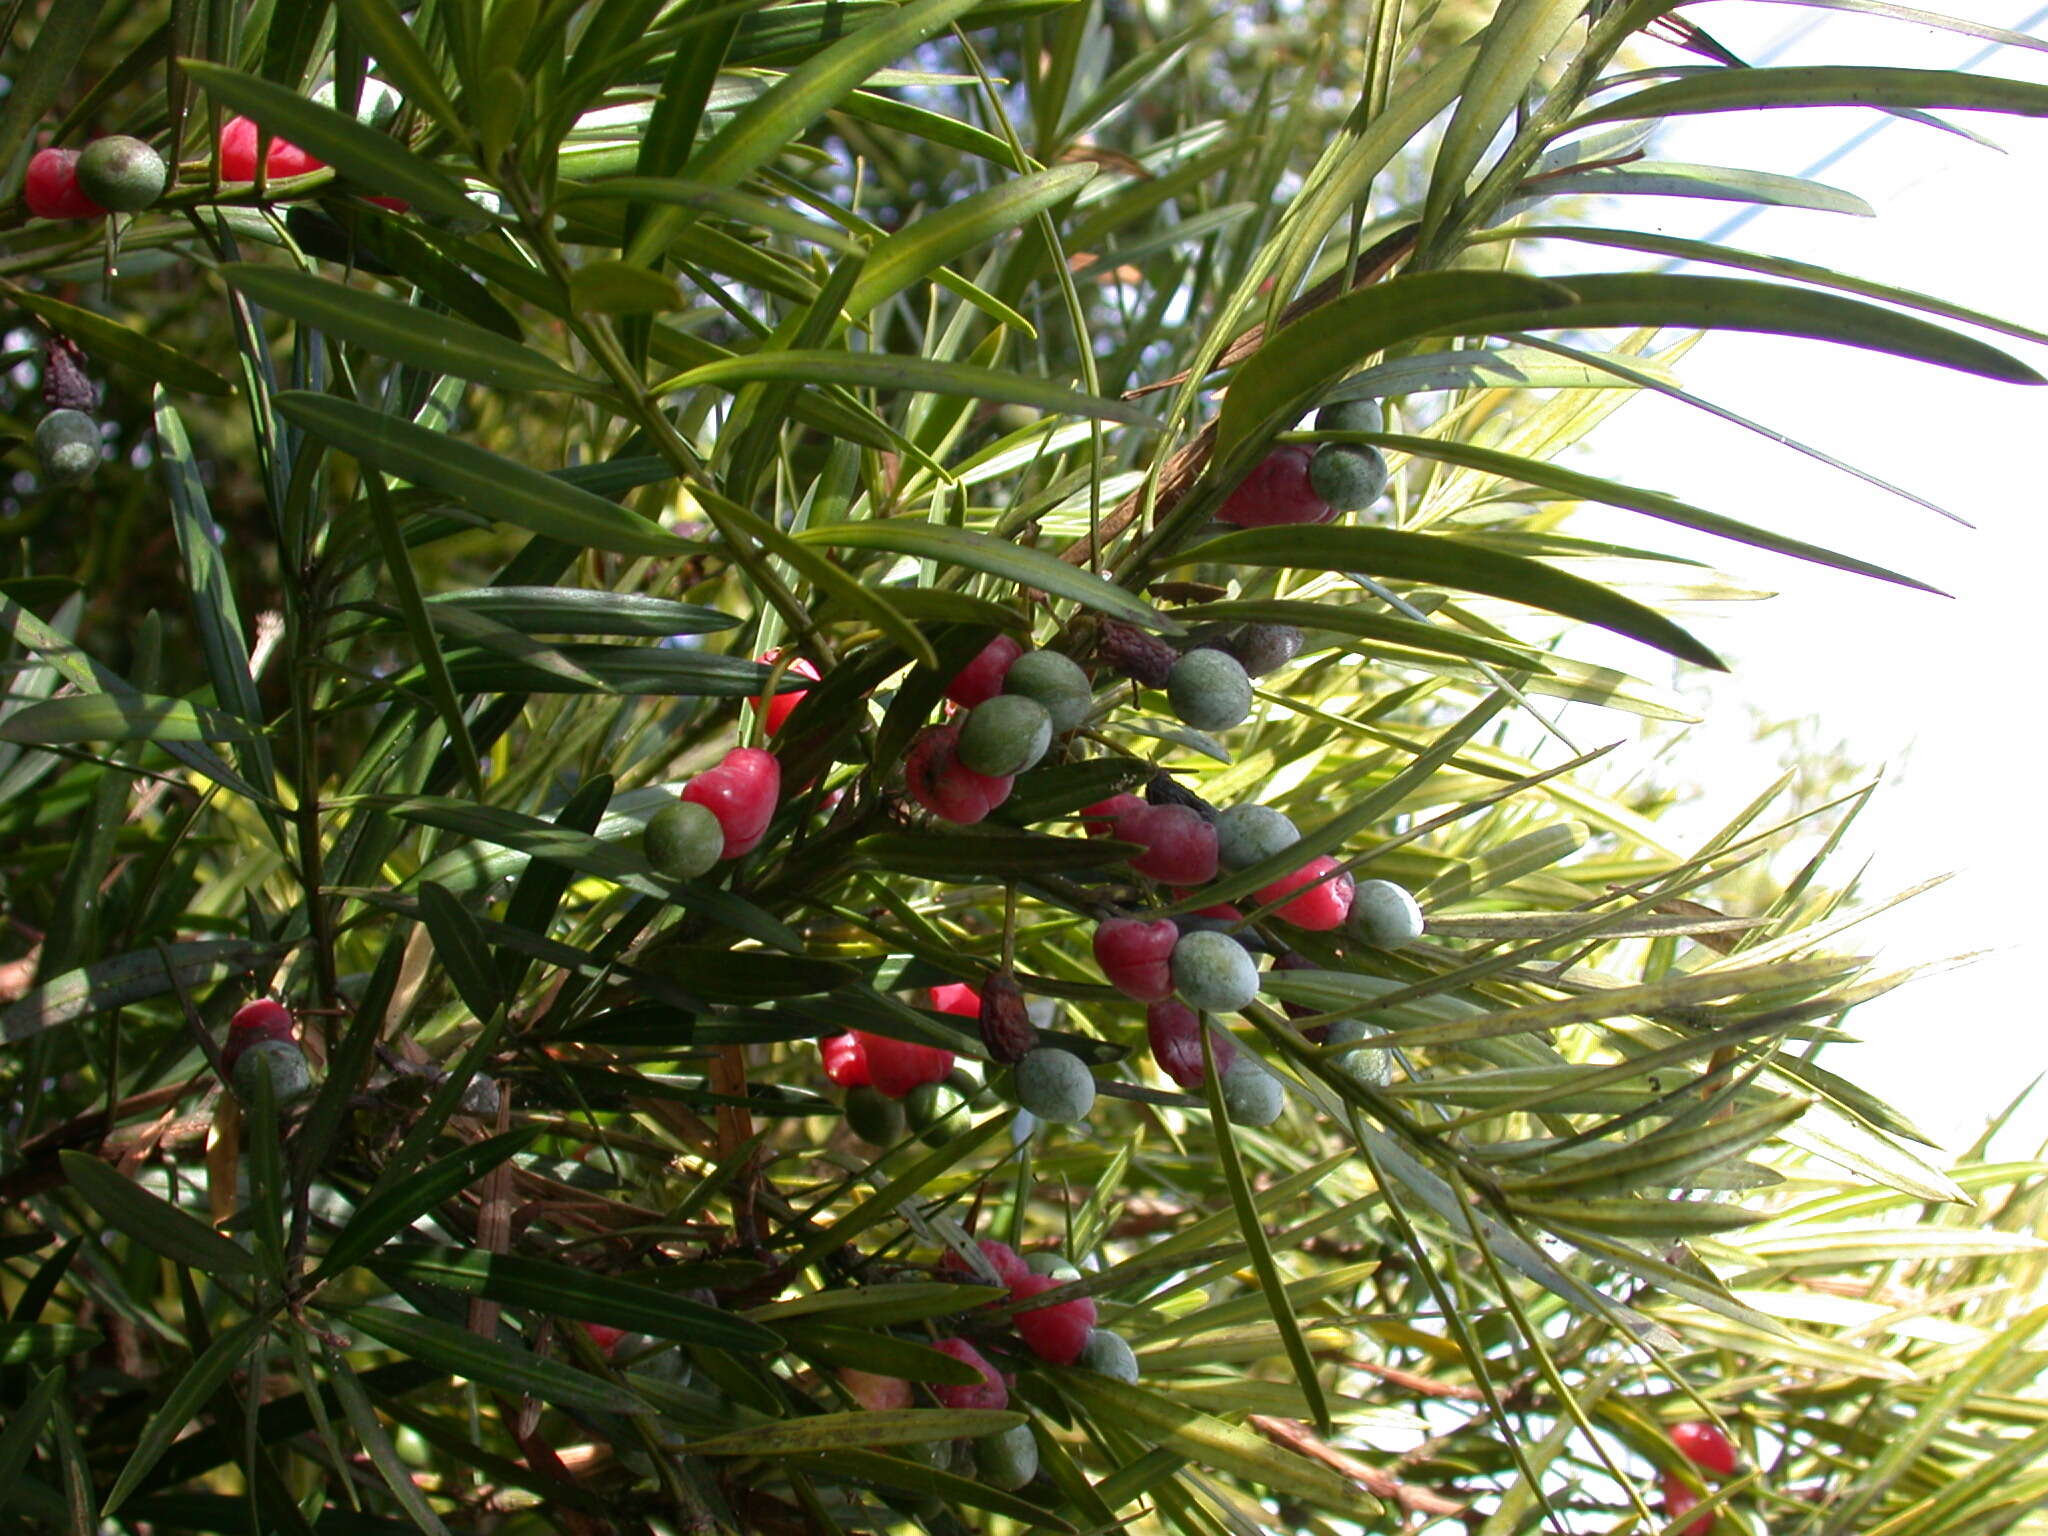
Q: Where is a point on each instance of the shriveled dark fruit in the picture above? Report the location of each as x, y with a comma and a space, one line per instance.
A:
1055, 1085
936, 1112
121, 174
1210, 690
875, 1119
1252, 1095
1004, 735
1134, 654
1165, 789
1348, 478
291, 1077
1007, 1031
1056, 683
1263, 648
67, 445
1213, 974
1383, 915
1351, 416
1107, 1354
1247, 833
682, 840
1007, 1459
1374, 1069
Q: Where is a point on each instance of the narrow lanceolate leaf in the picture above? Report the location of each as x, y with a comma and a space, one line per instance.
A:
1663, 1158
1830, 85
108, 340
485, 482
542, 1286
32, 1343
383, 34
152, 1221
1446, 562
573, 611
1616, 299
119, 717
842, 1431
406, 333
129, 978
1210, 1442
895, 371
1657, 178
1279, 382
1018, 563
489, 1362
1349, 619
971, 855
192, 1388
373, 160
459, 946
392, 1210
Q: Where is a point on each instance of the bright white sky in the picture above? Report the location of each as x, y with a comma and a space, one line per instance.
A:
1943, 691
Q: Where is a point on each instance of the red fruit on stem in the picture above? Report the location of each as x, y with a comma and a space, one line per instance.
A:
1276, 491
1679, 1499
991, 1393
1002, 1258
238, 152
1136, 956
982, 678
741, 792
957, 997
846, 1059
604, 1336
260, 1020
1180, 847
1100, 818
1173, 1030
938, 781
1056, 1332
1320, 906
897, 1066
51, 187
780, 704
1702, 1444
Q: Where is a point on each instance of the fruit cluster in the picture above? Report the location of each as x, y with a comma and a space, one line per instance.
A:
1706, 1447
724, 813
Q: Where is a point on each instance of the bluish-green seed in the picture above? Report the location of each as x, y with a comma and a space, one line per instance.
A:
1252, 1095
1054, 682
1056, 1085
1209, 690
67, 445
1107, 1354
1350, 479
1352, 416
1213, 974
1007, 1459
121, 174
682, 841
1374, 1069
1004, 735
1247, 833
1383, 915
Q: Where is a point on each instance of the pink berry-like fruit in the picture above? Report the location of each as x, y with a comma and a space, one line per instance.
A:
1058, 1332
780, 704
741, 792
1174, 1031
943, 785
846, 1059
260, 1020
1136, 956
1276, 491
990, 1393
982, 678
1702, 1444
1002, 1258
897, 1066
1099, 819
51, 187
1320, 906
1679, 1500
1180, 847
874, 1392
957, 997
239, 139
604, 1336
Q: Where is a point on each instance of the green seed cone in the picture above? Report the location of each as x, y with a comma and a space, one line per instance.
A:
1209, 690
1008, 1459
1252, 1095
875, 1120
683, 840
1352, 416
279, 1060
121, 174
936, 1111
1383, 915
1350, 479
1055, 1085
67, 446
1055, 683
1213, 974
1248, 833
1004, 735
1375, 1069
1108, 1355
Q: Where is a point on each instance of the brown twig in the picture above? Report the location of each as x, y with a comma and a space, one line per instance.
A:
1300, 1438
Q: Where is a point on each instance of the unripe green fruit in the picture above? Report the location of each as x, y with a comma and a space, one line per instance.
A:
1007, 1459
1004, 735
977, 1093
1108, 1355
1055, 1085
67, 446
1213, 974
1383, 915
1056, 683
376, 103
1050, 1261
878, 1121
682, 840
1350, 479
932, 1453
1209, 690
1251, 1094
1352, 416
121, 174
1374, 1069
1248, 833
935, 1112
279, 1060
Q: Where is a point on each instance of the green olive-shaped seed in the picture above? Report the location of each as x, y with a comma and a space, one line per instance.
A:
1251, 1094
279, 1060
1263, 648
1050, 1261
67, 446
1247, 833
121, 174
1209, 690
1351, 416
936, 1111
376, 103
1007, 1459
1055, 682
1212, 973
1350, 479
1108, 1355
1383, 915
878, 1121
1056, 1085
1004, 735
1374, 1069
682, 840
